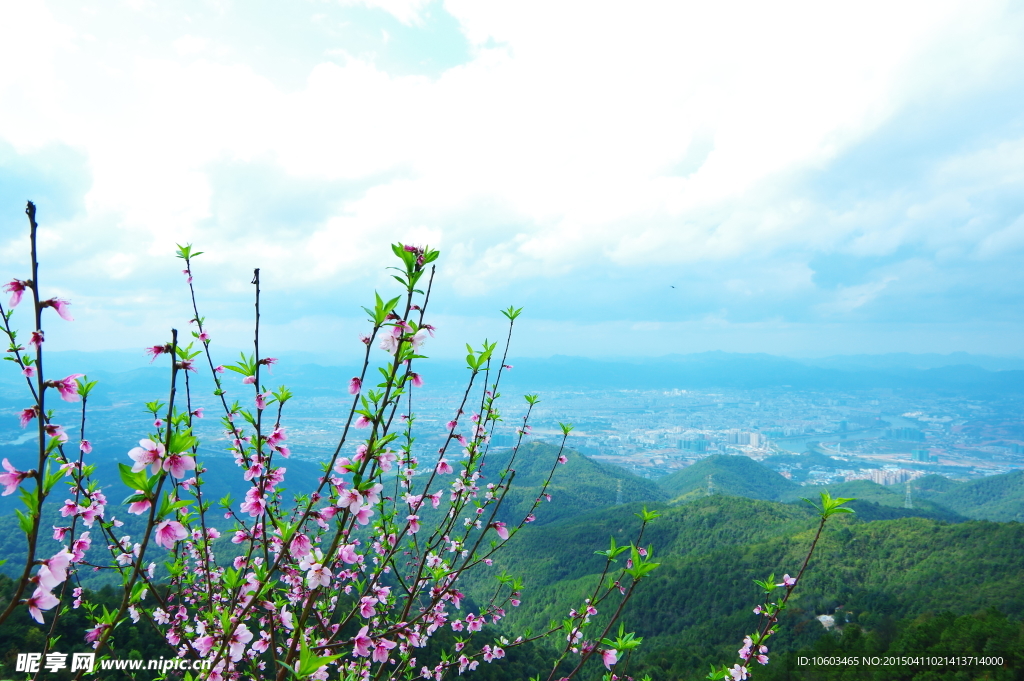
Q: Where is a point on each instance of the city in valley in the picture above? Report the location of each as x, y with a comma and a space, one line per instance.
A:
886, 435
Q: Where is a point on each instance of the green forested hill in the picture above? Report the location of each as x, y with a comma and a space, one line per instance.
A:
733, 475
696, 606
999, 497
879, 502
579, 486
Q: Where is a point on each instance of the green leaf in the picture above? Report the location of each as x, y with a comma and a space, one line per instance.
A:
309, 661
131, 479
85, 386
512, 312
830, 506
24, 521
182, 441
185, 252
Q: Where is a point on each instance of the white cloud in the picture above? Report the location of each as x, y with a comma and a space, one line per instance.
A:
554, 149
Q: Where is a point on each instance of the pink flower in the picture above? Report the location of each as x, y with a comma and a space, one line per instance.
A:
60, 532
139, 507
12, 478
277, 437
177, 464
46, 579
27, 415
562, 458
53, 430
380, 651
67, 387
238, 640
29, 371
41, 600
744, 652
501, 530
61, 306
787, 581
420, 337
366, 607
168, 532
354, 386
414, 523
249, 380
363, 515
361, 643
417, 381
35, 340
348, 554
90, 513
443, 467
318, 575
261, 400
85, 446
59, 564
147, 453
156, 350
203, 644
198, 413
80, 546
363, 422
609, 657
389, 342
300, 546
219, 369
16, 287
254, 503
93, 635
738, 673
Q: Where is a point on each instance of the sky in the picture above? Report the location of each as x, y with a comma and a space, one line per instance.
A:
796, 178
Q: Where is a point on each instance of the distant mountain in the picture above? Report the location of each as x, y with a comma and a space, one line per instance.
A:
960, 371
907, 360
738, 476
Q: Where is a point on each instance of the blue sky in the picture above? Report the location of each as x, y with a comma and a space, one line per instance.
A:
791, 178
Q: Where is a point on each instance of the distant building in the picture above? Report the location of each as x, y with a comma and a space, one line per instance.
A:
700, 445
737, 438
905, 434
885, 476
